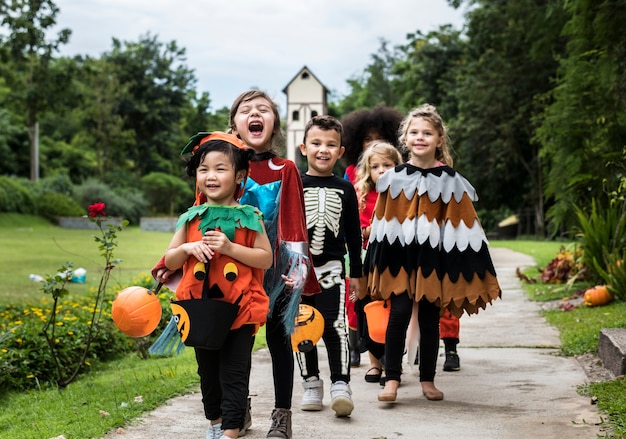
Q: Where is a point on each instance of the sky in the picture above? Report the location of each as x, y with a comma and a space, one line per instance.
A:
236, 45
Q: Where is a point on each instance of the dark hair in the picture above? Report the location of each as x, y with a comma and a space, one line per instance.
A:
385, 120
326, 123
240, 158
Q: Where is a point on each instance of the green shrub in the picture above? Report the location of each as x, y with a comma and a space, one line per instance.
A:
16, 195
25, 360
127, 203
53, 204
602, 232
60, 183
167, 194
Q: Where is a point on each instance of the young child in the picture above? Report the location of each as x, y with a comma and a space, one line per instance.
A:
426, 246
374, 162
275, 187
217, 234
254, 119
361, 128
332, 219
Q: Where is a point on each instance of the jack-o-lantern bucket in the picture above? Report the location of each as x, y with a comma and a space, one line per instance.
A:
308, 330
136, 311
377, 316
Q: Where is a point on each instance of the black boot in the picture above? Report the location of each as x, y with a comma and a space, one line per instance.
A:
355, 354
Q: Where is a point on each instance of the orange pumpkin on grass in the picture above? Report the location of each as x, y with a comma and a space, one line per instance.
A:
136, 311
597, 296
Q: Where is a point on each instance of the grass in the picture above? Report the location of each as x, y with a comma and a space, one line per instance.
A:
34, 246
100, 401
76, 411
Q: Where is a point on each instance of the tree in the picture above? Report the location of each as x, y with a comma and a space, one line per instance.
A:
509, 62
166, 193
583, 127
28, 21
375, 86
157, 87
428, 70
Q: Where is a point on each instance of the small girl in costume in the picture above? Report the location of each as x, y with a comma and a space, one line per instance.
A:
273, 186
227, 243
426, 246
375, 161
361, 129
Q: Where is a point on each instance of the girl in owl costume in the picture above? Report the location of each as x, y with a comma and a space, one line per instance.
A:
426, 246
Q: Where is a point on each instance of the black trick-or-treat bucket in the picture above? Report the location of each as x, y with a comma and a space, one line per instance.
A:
204, 323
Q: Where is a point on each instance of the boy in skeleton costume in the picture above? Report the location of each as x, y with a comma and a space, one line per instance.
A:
332, 219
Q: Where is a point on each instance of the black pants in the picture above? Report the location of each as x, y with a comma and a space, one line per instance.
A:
279, 345
224, 377
399, 318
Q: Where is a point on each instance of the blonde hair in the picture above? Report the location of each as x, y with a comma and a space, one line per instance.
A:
364, 183
428, 113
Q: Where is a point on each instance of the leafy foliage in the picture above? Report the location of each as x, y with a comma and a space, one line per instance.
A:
602, 232
166, 193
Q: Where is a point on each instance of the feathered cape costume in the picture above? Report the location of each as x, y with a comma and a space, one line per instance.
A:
426, 240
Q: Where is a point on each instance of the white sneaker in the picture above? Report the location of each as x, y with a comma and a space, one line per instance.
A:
341, 398
214, 431
313, 394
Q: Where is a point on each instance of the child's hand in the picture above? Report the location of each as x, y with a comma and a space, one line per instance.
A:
201, 251
217, 241
355, 286
289, 282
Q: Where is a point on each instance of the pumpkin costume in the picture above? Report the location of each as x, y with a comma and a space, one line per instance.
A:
226, 278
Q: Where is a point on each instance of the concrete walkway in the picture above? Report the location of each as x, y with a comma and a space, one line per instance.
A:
512, 384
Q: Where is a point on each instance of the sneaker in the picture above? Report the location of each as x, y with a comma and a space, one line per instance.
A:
313, 394
214, 431
281, 424
341, 399
247, 420
452, 363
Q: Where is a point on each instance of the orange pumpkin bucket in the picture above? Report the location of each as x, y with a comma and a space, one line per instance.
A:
309, 328
136, 311
377, 316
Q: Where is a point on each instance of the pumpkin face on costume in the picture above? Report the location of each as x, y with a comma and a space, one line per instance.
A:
136, 311
309, 329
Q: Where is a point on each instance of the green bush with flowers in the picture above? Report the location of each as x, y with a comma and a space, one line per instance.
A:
50, 343
25, 360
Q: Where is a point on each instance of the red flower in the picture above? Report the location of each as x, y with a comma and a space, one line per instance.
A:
97, 209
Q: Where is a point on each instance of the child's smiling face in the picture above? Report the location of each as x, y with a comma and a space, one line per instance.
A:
322, 150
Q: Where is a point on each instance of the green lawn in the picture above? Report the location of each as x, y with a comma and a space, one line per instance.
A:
31, 245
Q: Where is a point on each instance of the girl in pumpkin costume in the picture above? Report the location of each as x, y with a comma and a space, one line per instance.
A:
427, 247
223, 251
275, 188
